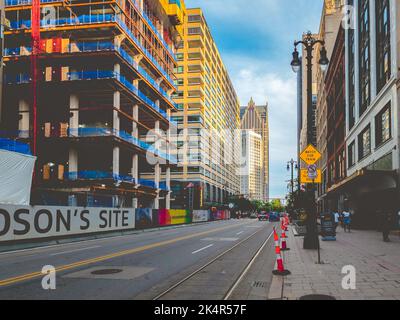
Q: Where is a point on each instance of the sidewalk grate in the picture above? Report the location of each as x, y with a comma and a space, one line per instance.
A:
259, 284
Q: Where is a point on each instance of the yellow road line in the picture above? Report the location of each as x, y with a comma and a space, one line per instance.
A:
33, 275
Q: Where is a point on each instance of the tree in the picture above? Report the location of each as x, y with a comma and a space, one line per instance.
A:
276, 206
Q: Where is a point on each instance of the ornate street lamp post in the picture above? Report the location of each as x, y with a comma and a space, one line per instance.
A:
311, 240
291, 166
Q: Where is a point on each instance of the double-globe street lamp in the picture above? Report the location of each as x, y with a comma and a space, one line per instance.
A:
311, 240
291, 166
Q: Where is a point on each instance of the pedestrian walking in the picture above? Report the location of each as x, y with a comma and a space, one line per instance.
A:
336, 217
346, 221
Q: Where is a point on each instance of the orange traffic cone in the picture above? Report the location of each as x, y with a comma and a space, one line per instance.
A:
283, 241
279, 261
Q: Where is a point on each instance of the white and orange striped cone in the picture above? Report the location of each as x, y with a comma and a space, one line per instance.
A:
279, 261
284, 246
286, 223
283, 224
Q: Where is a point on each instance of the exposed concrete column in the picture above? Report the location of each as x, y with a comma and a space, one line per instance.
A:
168, 183
116, 125
74, 114
168, 145
157, 175
74, 126
73, 164
135, 204
135, 167
135, 157
116, 160
117, 99
135, 116
157, 131
23, 124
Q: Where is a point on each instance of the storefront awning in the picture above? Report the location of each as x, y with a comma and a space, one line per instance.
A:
365, 180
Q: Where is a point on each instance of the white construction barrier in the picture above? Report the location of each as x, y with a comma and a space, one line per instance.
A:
16, 170
34, 222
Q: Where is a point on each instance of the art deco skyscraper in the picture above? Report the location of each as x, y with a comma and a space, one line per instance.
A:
255, 118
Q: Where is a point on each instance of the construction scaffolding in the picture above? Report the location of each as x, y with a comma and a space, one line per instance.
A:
101, 78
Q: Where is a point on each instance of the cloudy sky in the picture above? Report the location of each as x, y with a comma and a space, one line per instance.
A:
255, 39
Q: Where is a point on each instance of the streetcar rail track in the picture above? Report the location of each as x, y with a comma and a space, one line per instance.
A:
239, 278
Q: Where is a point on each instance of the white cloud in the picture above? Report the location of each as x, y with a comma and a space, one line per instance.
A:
253, 78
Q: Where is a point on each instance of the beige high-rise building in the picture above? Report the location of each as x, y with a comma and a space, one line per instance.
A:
209, 110
252, 180
255, 118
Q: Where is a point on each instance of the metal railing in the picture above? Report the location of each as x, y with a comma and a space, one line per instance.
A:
105, 132
98, 175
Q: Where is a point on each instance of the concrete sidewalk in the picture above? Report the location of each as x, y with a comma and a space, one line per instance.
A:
377, 266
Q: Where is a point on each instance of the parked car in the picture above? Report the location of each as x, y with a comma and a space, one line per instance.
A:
274, 217
253, 215
263, 216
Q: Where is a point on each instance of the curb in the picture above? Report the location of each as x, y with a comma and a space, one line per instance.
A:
295, 233
276, 288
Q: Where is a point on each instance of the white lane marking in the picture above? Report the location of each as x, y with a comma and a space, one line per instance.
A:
202, 249
221, 239
75, 250
239, 233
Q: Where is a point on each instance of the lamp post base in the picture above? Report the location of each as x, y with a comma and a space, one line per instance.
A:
311, 242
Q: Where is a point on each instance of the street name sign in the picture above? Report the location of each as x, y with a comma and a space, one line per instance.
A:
310, 155
312, 171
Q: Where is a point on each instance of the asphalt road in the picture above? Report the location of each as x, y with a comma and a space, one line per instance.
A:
141, 266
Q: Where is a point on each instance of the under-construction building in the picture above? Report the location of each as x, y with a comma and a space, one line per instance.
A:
86, 95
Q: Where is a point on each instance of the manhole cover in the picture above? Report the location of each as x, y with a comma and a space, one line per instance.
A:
318, 297
106, 271
259, 284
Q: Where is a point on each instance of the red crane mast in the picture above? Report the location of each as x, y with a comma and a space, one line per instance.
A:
35, 34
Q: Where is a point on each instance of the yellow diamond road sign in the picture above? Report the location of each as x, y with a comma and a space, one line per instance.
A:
310, 155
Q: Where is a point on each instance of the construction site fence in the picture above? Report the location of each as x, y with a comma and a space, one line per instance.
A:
24, 223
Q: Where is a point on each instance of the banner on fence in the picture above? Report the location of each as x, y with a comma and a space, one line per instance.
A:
32, 222
180, 216
144, 218
201, 216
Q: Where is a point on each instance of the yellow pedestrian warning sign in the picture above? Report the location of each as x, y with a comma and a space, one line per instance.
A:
305, 177
310, 155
